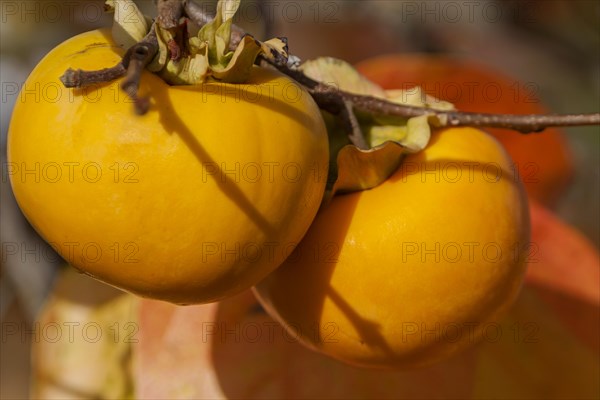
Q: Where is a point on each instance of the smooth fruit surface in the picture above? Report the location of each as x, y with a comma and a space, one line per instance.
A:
544, 161
415, 269
196, 200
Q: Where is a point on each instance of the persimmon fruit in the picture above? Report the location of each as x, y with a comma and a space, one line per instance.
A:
414, 270
196, 200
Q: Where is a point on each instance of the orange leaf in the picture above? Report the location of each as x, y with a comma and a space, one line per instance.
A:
562, 258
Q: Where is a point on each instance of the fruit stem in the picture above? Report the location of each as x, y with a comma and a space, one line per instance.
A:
132, 65
135, 60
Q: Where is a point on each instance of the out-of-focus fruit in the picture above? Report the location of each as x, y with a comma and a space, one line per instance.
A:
81, 342
543, 160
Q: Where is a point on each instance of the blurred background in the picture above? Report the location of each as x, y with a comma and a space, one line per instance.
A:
553, 46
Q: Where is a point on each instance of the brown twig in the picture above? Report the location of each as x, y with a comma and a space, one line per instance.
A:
77, 78
169, 13
522, 123
327, 97
195, 12
326, 94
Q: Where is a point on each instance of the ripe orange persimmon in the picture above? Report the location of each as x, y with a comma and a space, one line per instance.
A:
438, 246
194, 201
543, 160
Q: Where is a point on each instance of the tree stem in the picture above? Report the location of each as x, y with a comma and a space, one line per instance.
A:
327, 97
524, 123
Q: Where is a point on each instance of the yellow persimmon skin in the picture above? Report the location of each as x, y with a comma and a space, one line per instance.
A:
409, 273
197, 200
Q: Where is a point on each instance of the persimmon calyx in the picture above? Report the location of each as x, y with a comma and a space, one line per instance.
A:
188, 54
388, 139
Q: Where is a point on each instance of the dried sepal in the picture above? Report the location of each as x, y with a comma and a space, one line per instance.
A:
208, 54
217, 33
389, 138
160, 60
239, 67
130, 25
413, 133
365, 169
188, 70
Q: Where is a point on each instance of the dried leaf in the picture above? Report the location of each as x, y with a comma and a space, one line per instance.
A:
390, 138
418, 98
276, 49
341, 75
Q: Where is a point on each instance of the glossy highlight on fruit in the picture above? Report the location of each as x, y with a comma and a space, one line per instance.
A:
197, 200
414, 270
